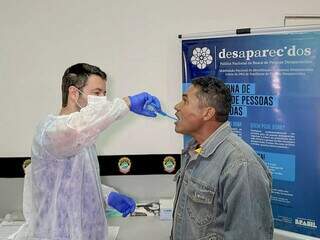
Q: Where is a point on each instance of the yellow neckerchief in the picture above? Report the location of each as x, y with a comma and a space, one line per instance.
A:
198, 150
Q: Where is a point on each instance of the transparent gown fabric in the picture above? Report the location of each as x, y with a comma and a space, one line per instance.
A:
67, 201
22, 232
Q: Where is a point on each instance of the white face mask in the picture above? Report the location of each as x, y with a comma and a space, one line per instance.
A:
92, 99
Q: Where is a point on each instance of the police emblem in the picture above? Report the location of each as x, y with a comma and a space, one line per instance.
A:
169, 164
124, 165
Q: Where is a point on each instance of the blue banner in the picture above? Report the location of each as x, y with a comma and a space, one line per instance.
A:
275, 83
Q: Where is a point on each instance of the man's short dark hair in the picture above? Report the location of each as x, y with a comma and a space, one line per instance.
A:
214, 93
77, 75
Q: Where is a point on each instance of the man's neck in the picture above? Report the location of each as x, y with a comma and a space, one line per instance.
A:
205, 132
67, 110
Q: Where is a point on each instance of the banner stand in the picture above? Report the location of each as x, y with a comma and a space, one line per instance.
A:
273, 75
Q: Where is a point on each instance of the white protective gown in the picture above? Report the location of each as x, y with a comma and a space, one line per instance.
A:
67, 201
22, 232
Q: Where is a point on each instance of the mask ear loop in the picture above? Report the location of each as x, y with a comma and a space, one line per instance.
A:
81, 93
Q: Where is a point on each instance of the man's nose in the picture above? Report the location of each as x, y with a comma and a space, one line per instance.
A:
176, 107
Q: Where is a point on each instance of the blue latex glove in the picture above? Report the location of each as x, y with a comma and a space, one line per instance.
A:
121, 203
139, 102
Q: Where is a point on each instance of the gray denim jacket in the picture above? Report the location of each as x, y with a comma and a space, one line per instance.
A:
223, 193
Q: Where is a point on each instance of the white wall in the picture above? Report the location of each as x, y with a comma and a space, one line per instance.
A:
135, 42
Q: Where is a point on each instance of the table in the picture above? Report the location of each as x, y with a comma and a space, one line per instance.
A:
140, 228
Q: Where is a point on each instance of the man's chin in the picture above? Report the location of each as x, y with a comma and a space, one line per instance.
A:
178, 130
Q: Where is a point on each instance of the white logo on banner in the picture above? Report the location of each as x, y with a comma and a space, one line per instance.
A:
201, 57
305, 222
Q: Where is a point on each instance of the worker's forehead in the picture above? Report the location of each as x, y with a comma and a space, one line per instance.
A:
95, 81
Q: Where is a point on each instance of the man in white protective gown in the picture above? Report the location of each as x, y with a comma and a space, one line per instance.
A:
21, 233
67, 202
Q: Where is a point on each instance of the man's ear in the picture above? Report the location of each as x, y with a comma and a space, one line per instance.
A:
73, 93
209, 114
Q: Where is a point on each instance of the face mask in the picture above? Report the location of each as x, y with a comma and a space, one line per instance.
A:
92, 99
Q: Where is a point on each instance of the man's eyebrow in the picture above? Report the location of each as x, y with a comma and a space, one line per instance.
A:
99, 89
185, 95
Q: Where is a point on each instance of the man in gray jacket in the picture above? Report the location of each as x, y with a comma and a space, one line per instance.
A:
223, 186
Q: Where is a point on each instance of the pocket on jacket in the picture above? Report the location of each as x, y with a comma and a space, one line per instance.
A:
200, 203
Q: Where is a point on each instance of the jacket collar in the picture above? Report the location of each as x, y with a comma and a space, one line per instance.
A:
215, 139
212, 142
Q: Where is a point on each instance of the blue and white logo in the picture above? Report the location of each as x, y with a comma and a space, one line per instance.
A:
201, 57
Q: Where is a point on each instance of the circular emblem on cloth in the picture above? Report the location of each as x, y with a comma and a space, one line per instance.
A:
201, 57
169, 164
124, 165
